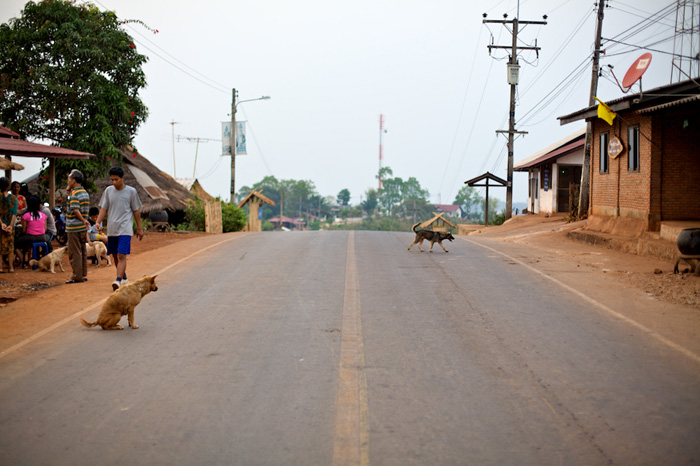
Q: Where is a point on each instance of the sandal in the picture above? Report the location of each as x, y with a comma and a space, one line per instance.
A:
73, 281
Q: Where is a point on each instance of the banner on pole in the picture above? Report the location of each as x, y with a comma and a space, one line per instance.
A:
226, 138
240, 138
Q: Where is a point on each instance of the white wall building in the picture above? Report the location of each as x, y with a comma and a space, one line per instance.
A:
553, 173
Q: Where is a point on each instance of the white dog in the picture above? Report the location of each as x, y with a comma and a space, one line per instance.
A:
47, 263
99, 250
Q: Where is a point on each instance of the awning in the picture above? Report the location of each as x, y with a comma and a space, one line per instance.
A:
10, 146
551, 155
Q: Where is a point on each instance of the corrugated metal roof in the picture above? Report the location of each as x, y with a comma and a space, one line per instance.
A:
658, 96
552, 155
10, 146
669, 104
548, 151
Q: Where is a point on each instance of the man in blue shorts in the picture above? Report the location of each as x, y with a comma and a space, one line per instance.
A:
120, 203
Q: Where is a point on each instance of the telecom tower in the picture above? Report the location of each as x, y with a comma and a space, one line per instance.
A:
381, 131
686, 41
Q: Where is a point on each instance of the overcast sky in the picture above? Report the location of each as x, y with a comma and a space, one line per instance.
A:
331, 68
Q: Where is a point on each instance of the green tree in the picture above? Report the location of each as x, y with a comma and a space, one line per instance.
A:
416, 209
391, 193
71, 75
299, 196
468, 199
394, 191
495, 217
232, 218
411, 190
369, 205
344, 197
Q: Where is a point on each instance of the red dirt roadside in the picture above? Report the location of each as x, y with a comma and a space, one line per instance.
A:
548, 238
31, 301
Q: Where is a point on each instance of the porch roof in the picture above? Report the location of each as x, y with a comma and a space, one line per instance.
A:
561, 147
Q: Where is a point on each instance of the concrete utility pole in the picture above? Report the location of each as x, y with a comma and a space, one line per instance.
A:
233, 147
513, 78
235, 104
586, 170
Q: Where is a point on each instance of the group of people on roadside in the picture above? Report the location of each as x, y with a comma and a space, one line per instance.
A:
24, 220
120, 204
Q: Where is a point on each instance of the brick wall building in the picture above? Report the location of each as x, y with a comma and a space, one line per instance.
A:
645, 167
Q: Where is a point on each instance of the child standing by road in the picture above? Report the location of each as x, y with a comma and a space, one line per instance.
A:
120, 203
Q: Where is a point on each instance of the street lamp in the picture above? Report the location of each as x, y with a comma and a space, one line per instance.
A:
234, 105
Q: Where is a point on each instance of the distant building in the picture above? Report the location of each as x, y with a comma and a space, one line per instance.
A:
452, 210
554, 173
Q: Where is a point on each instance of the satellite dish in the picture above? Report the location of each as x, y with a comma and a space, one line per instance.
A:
636, 70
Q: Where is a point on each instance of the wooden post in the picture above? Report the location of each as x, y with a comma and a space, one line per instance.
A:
52, 183
486, 208
212, 217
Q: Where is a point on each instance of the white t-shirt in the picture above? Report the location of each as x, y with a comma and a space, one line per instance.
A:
120, 206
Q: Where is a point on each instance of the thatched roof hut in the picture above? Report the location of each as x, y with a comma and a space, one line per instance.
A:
195, 187
157, 190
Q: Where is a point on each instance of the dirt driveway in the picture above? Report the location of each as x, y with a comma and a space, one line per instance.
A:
653, 276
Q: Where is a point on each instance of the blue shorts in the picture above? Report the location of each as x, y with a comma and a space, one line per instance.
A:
119, 245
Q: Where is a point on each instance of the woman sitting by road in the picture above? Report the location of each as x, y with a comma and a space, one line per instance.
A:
33, 228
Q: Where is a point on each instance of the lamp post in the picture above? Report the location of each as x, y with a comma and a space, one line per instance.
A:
235, 104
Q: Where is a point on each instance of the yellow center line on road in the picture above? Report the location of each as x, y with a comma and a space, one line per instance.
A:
599, 305
98, 304
351, 439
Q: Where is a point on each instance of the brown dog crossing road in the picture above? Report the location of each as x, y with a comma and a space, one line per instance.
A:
343, 348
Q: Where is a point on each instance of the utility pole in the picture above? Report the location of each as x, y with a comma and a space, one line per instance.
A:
233, 147
172, 127
584, 192
234, 104
513, 78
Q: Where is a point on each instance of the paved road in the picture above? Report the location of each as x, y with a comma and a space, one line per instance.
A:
337, 348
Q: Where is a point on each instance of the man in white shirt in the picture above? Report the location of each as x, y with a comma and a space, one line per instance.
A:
120, 203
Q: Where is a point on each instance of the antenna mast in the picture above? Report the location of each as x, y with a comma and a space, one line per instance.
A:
172, 127
381, 149
686, 41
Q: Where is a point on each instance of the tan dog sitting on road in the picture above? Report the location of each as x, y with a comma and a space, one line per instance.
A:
122, 303
47, 263
99, 250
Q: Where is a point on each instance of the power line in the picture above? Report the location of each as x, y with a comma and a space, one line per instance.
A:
217, 86
461, 112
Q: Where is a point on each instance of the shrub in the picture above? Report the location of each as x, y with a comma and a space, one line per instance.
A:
232, 218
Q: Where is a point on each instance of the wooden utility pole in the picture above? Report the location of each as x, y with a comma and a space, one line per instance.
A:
584, 193
233, 147
513, 78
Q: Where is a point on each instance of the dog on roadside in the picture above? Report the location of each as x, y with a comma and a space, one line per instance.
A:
49, 261
99, 250
122, 303
432, 236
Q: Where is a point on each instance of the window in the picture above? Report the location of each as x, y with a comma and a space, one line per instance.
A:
633, 152
604, 159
